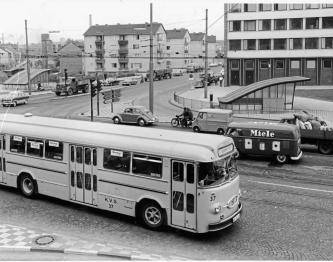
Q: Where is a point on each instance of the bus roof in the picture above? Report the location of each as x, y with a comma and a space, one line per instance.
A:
176, 144
264, 125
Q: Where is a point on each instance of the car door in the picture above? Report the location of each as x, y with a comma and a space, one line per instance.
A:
126, 115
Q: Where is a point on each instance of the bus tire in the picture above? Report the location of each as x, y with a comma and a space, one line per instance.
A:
152, 215
220, 131
325, 147
281, 159
28, 186
196, 129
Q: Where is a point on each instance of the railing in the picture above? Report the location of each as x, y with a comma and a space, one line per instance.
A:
192, 103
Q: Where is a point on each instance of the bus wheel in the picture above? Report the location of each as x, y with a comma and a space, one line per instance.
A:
196, 129
325, 147
28, 186
281, 159
152, 215
220, 131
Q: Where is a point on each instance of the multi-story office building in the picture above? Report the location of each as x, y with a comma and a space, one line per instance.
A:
275, 40
177, 49
111, 49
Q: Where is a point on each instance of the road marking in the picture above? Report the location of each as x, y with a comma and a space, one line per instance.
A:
297, 187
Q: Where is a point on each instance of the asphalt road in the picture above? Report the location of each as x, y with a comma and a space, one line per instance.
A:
288, 210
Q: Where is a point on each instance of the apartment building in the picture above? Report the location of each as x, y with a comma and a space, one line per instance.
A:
123, 47
71, 58
197, 49
275, 40
177, 49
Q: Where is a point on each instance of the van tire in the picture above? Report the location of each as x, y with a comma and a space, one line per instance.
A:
325, 147
196, 129
281, 159
220, 131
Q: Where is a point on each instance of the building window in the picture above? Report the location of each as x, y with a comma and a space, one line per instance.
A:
280, 7
279, 64
327, 63
296, 43
234, 64
264, 64
137, 37
250, 7
135, 46
296, 23
296, 6
280, 24
168, 47
114, 65
249, 64
312, 23
311, 64
122, 37
328, 22
235, 45
312, 6
250, 44
294, 64
265, 7
280, 44
250, 25
311, 43
265, 25
328, 42
234, 26
327, 5
264, 44
235, 8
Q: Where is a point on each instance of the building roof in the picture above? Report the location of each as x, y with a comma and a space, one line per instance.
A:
176, 33
197, 36
71, 48
211, 39
122, 29
240, 92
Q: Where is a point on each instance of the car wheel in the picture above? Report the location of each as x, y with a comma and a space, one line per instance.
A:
220, 131
28, 186
57, 93
281, 159
14, 103
152, 215
116, 120
141, 122
70, 92
325, 147
196, 129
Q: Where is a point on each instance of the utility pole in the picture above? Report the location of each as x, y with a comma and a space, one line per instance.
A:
27, 54
151, 63
206, 57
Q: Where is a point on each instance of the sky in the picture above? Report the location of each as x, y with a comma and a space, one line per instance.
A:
71, 17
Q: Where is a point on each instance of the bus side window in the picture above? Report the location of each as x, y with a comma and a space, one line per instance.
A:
147, 165
72, 153
94, 157
190, 173
17, 144
79, 155
87, 156
178, 171
54, 150
117, 160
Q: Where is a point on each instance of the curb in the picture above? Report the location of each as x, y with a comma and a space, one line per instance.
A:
72, 251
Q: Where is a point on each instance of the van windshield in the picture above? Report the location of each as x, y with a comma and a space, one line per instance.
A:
218, 172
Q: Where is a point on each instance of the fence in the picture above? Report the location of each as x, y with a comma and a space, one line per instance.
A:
192, 103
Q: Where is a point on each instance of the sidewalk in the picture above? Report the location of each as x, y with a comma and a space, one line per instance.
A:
21, 239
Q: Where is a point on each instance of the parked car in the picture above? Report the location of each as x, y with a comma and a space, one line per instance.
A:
135, 115
15, 98
129, 81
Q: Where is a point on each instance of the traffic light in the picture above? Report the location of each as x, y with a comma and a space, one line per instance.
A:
93, 89
98, 85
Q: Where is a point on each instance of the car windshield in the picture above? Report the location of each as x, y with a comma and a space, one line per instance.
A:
218, 172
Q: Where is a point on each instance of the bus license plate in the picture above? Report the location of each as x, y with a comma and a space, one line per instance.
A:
235, 218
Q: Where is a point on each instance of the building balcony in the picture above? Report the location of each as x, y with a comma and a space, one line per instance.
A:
100, 52
100, 60
123, 42
99, 41
123, 50
123, 59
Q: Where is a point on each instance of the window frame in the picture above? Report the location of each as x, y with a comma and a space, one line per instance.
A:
294, 19
261, 22
246, 26
280, 29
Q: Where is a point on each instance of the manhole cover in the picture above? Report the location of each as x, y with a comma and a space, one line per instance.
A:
44, 240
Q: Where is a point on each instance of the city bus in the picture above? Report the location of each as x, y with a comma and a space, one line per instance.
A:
183, 180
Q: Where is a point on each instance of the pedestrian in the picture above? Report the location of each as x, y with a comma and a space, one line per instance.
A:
221, 80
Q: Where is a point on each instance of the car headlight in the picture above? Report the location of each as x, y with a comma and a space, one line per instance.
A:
217, 209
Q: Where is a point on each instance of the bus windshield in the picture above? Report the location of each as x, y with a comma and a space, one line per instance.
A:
218, 172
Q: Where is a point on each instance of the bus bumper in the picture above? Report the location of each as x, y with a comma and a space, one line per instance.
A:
297, 157
227, 222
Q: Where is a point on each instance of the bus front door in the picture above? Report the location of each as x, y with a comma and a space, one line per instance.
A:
184, 206
2, 160
83, 174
